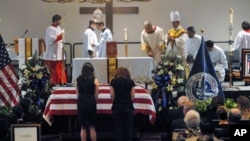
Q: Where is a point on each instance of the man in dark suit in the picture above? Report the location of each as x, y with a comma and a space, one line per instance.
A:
179, 123
176, 113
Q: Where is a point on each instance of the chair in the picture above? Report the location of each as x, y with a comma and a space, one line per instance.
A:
236, 66
222, 131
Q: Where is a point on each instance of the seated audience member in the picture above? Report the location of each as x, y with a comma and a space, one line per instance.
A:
16, 116
4, 129
243, 103
234, 116
28, 116
207, 128
211, 109
192, 121
179, 123
177, 113
222, 115
223, 131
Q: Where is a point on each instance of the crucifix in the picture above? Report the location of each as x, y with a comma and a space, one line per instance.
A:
109, 10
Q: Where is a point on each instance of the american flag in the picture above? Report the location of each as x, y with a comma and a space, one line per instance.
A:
9, 90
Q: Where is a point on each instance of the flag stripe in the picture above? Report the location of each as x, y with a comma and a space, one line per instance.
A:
4, 96
13, 79
9, 86
9, 90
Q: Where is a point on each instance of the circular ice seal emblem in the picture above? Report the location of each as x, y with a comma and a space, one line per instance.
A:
201, 86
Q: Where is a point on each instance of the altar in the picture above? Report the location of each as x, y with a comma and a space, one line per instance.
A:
139, 67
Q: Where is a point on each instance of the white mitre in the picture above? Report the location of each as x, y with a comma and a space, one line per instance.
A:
175, 16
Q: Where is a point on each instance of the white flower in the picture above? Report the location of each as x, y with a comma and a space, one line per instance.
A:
160, 72
180, 80
23, 93
20, 81
170, 73
23, 67
178, 57
179, 67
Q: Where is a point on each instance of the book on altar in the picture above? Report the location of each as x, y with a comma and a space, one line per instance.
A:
111, 49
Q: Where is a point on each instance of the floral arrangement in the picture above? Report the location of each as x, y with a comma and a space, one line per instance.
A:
34, 82
168, 80
201, 105
169, 74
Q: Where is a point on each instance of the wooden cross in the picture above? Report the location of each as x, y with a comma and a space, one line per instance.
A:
109, 10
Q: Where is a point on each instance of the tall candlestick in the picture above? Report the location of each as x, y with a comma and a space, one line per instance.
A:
230, 28
231, 16
125, 34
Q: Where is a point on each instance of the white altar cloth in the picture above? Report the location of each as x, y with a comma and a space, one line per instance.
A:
139, 67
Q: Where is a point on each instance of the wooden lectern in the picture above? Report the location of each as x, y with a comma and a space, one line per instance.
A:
42, 46
111, 49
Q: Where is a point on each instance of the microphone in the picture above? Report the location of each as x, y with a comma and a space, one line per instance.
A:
26, 31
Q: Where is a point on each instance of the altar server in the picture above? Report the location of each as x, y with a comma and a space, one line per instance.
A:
192, 44
218, 59
152, 41
242, 40
105, 36
90, 40
54, 54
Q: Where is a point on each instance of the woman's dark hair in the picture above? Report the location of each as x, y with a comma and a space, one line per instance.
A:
88, 71
122, 72
222, 112
216, 101
243, 103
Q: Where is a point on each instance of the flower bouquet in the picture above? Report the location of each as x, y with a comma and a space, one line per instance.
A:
168, 80
34, 81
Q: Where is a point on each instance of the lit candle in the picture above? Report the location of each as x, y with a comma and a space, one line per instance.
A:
231, 16
125, 34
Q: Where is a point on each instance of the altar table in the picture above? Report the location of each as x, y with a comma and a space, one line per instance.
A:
63, 101
139, 67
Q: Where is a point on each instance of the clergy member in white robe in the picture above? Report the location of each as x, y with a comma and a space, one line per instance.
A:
90, 40
105, 36
152, 41
242, 40
175, 37
192, 44
54, 54
218, 59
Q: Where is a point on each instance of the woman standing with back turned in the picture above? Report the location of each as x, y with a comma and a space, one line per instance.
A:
87, 90
122, 93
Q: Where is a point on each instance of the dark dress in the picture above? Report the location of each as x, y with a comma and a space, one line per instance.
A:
122, 108
86, 102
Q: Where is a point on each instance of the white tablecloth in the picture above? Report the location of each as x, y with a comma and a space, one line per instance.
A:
139, 67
